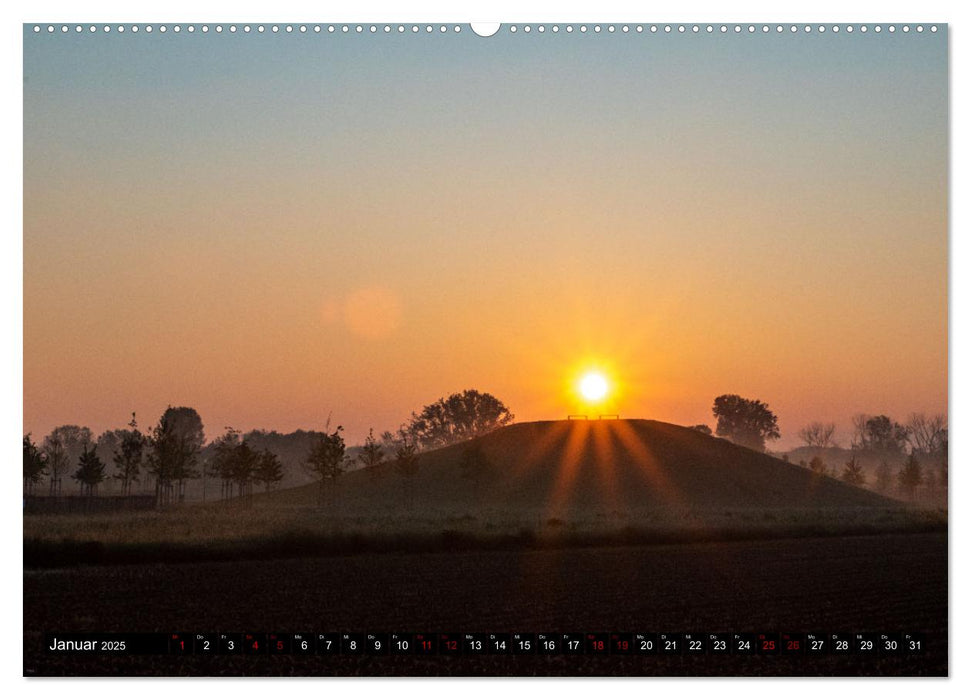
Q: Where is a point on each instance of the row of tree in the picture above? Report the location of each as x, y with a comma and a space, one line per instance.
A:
170, 452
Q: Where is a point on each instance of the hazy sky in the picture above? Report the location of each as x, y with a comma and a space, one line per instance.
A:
276, 228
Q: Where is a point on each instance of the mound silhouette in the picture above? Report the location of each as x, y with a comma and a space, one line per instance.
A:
566, 468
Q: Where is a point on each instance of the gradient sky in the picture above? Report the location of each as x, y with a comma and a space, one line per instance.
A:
276, 228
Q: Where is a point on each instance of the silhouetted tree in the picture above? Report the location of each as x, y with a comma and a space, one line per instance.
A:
701, 428
187, 426
911, 476
926, 435
245, 462
884, 477
35, 462
326, 459
128, 456
91, 470
372, 454
174, 449
818, 435
221, 463
817, 465
878, 434
269, 470
746, 422
456, 418
853, 472
63, 448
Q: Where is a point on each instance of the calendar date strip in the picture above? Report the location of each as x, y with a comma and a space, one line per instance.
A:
588, 643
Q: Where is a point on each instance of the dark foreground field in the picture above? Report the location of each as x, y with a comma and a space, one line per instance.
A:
882, 583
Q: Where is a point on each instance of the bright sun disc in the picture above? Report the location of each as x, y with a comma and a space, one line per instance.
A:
593, 386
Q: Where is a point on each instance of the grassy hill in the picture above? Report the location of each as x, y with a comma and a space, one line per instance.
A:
568, 468
543, 484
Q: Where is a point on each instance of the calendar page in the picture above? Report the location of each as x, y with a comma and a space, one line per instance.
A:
520, 349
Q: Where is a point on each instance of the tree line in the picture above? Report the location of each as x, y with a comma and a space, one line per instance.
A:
169, 454
907, 456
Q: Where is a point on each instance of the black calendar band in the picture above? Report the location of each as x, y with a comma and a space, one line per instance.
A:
809, 644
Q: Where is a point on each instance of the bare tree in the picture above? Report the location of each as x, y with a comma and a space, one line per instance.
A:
926, 435
818, 435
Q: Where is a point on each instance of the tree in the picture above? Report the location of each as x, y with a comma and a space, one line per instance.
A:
221, 464
63, 448
926, 435
372, 454
817, 465
128, 456
853, 472
701, 428
911, 476
746, 422
187, 427
35, 462
326, 459
884, 477
456, 418
91, 471
174, 448
244, 464
878, 434
818, 435
269, 470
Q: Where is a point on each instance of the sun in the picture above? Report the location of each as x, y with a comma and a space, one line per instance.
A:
593, 386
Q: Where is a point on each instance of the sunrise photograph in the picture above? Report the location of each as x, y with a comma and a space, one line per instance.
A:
523, 350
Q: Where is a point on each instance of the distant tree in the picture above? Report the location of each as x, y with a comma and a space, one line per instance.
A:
911, 476
326, 459
884, 477
173, 451
817, 465
63, 447
91, 470
372, 454
853, 472
926, 435
878, 434
818, 435
269, 470
35, 462
456, 418
244, 464
746, 422
222, 460
128, 456
701, 428
187, 426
